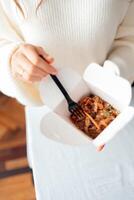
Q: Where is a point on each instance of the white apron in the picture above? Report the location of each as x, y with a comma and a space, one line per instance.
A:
63, 172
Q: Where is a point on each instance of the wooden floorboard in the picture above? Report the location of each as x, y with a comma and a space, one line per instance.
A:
13, 140
16, 163
12, 153
17, 188
15, 175
14, 172
12, 122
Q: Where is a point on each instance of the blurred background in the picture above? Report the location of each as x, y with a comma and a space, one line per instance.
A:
15, 175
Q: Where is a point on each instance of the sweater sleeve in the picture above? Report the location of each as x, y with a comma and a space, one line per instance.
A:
10, 39
121, 56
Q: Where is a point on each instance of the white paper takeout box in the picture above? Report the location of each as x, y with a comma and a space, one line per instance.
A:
55, 123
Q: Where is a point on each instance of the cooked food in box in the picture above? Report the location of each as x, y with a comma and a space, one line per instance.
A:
98, 115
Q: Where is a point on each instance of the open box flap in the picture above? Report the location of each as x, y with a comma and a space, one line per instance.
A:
112, 88
58, 129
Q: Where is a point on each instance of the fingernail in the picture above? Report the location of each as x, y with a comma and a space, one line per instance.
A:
55, 72
50, 58
100, 148
50, 61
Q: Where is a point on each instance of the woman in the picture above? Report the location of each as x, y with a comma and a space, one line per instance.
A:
67, 34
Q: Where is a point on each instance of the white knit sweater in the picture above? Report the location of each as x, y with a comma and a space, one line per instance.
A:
75, 32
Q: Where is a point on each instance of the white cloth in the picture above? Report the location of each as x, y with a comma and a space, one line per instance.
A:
81, 173
74, 33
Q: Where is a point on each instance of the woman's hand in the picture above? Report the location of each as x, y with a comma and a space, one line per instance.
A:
27, 64
100, 148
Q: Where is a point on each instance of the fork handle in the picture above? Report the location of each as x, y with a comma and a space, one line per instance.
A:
59, 84
62, 89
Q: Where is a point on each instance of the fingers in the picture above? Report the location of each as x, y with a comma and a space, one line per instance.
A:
17, 71
46, 56
28, 67
100, 148
32, 54
42, 64
30, 63
23, 75
26, 71
25, 78
30, 79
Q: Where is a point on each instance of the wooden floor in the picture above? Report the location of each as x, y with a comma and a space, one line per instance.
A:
18, 187
15, 175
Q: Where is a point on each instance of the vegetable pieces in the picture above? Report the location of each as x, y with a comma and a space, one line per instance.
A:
98, 115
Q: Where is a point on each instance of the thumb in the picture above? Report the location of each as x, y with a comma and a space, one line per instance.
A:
45, 55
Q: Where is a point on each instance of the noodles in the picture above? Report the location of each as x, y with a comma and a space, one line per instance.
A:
98, 115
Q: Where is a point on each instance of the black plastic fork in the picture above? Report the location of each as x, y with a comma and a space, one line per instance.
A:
73, 107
